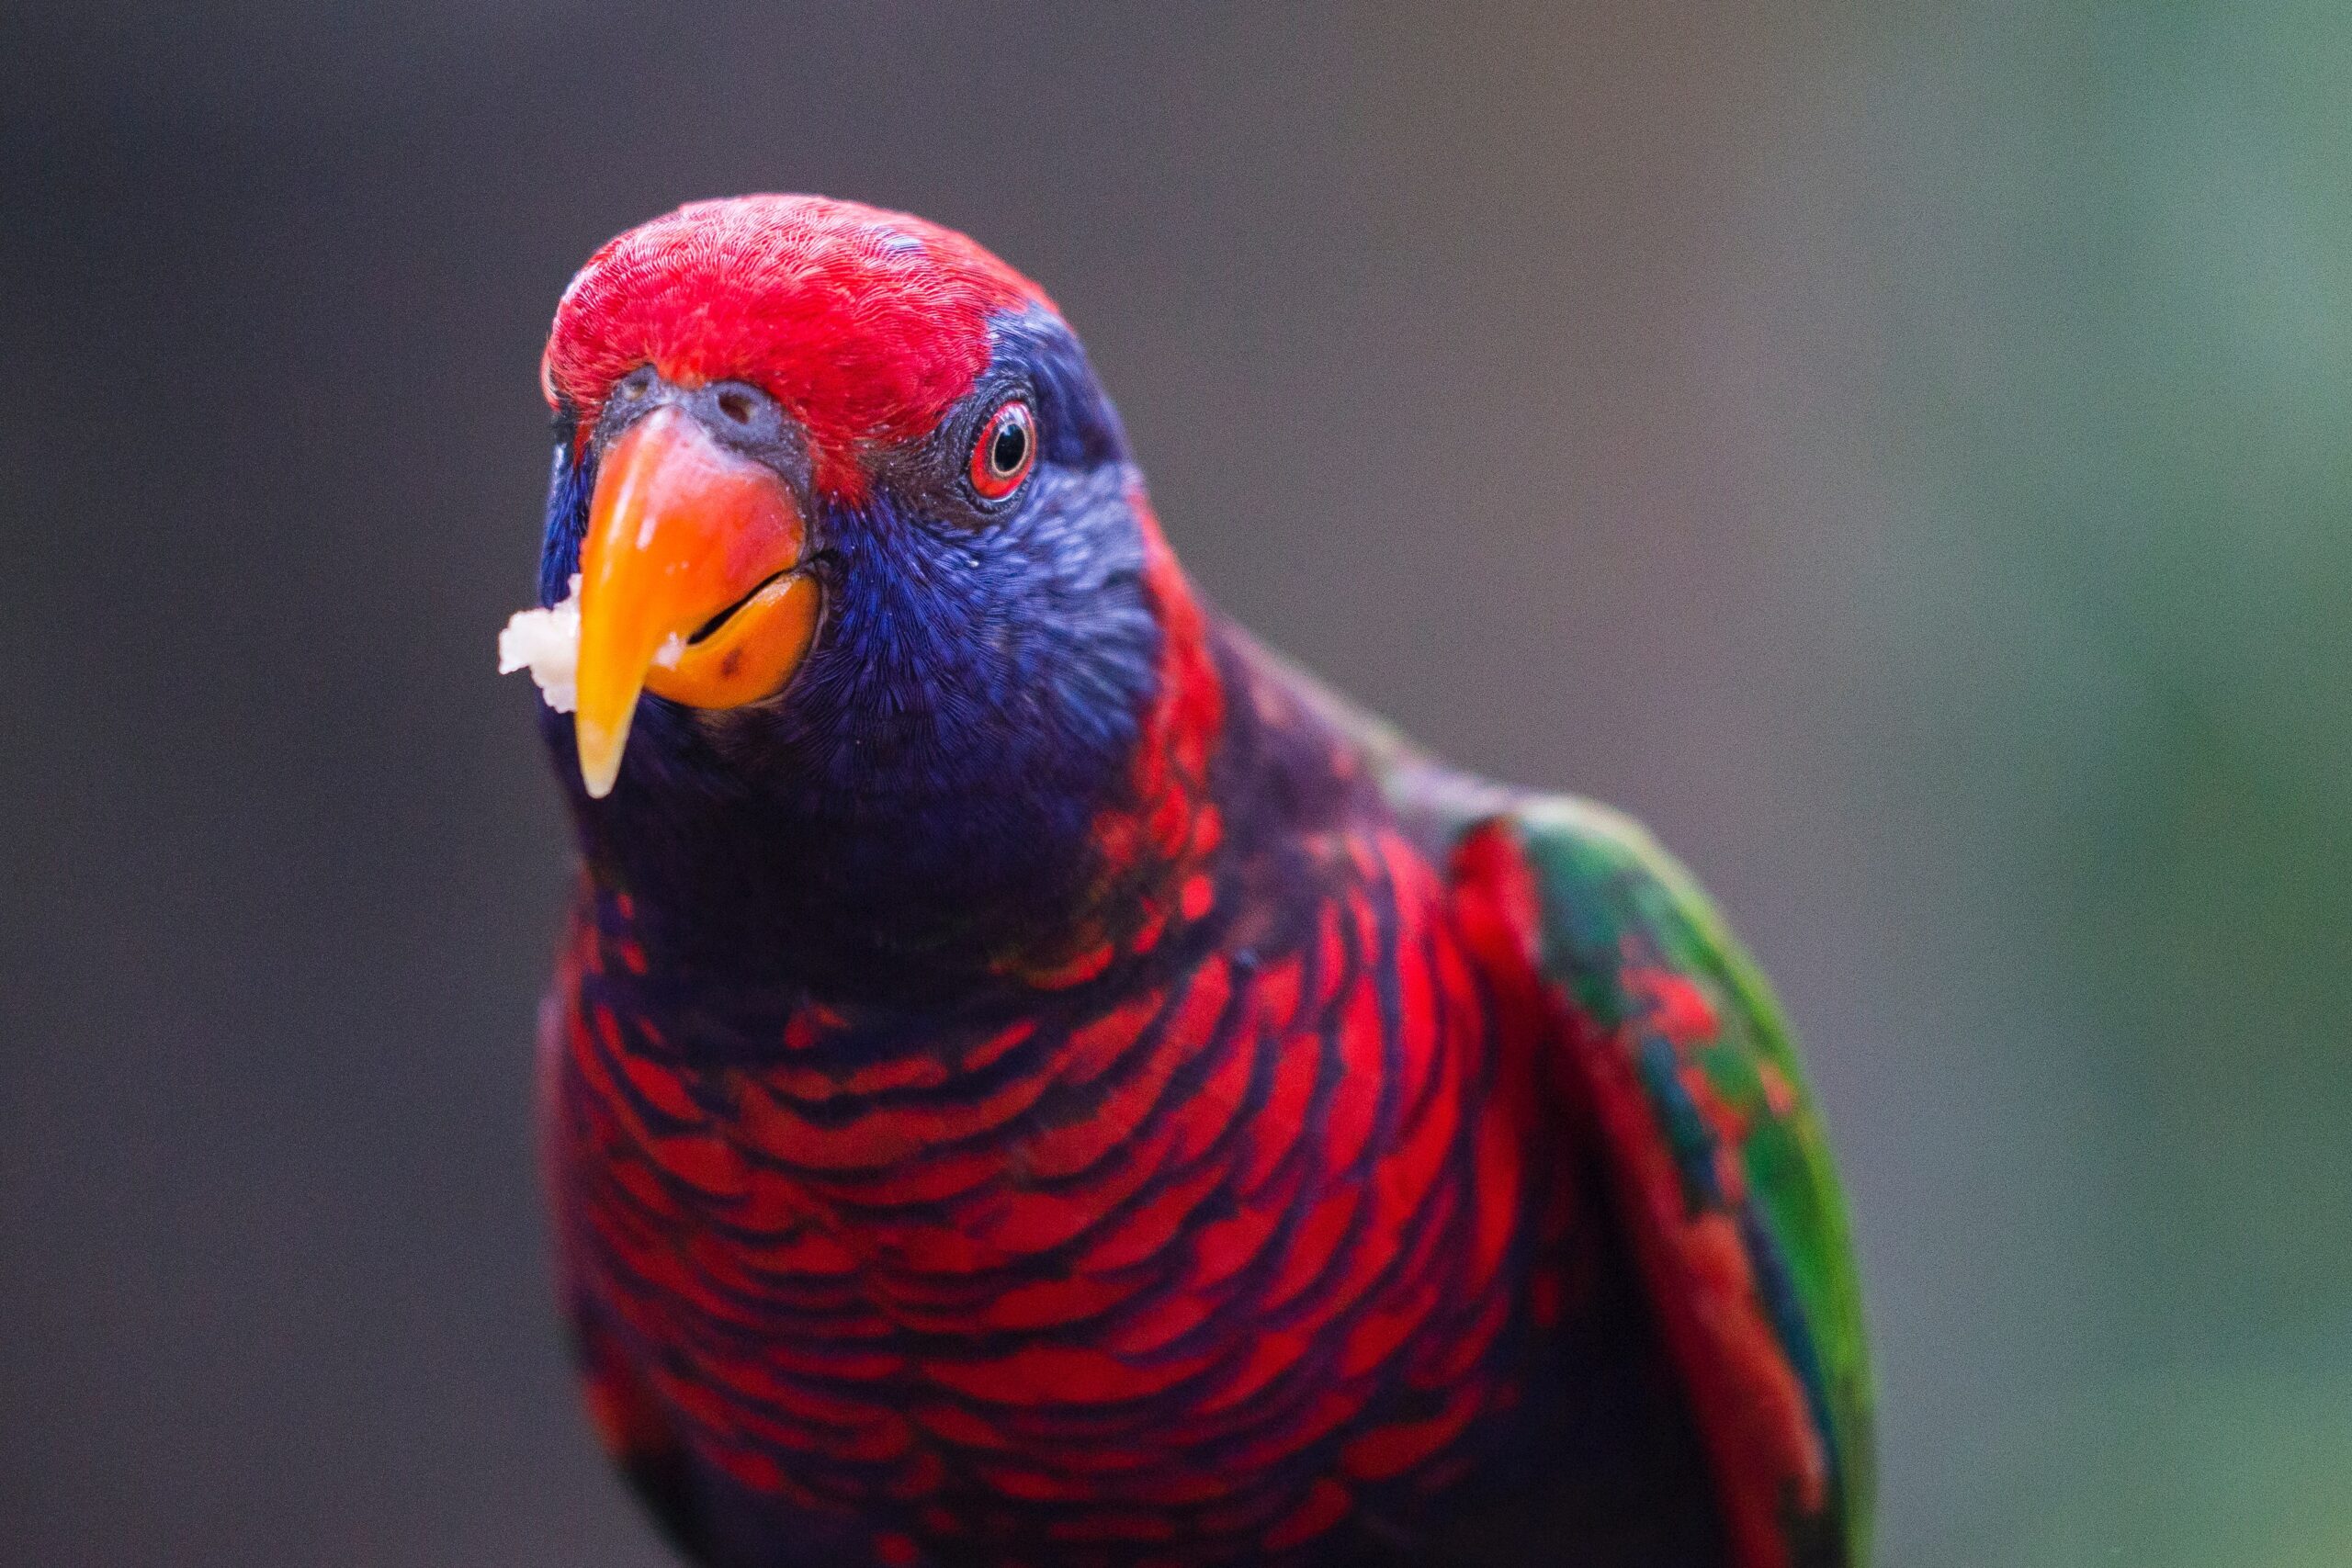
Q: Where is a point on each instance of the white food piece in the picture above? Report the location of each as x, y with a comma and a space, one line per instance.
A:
547, 643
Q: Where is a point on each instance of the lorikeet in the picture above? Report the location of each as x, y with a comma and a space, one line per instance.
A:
1034, 1079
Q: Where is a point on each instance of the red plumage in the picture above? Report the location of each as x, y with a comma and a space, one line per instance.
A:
1192, 1260
868, 324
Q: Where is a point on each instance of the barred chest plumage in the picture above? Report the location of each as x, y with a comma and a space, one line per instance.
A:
1220, 1247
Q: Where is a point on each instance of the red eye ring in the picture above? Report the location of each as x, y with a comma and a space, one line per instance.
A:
1005, 450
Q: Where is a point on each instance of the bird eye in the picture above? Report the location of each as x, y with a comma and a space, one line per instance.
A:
1005, 450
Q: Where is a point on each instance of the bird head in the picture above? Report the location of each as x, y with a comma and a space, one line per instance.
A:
863, 568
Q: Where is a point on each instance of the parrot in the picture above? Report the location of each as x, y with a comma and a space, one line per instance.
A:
1034, 1079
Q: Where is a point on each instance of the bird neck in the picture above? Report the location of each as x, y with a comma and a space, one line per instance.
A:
872, 895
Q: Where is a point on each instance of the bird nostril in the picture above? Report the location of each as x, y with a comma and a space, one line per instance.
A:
736, 406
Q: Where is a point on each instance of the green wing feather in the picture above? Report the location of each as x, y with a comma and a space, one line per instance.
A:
1618, 915
1716, 1151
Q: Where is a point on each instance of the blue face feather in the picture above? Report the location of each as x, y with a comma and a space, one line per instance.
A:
924, 783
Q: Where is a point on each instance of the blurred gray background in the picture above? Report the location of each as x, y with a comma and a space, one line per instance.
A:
1896, 450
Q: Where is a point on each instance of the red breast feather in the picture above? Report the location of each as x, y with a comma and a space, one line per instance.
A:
1199, 1268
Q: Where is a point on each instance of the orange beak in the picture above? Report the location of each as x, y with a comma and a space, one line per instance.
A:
689, 584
